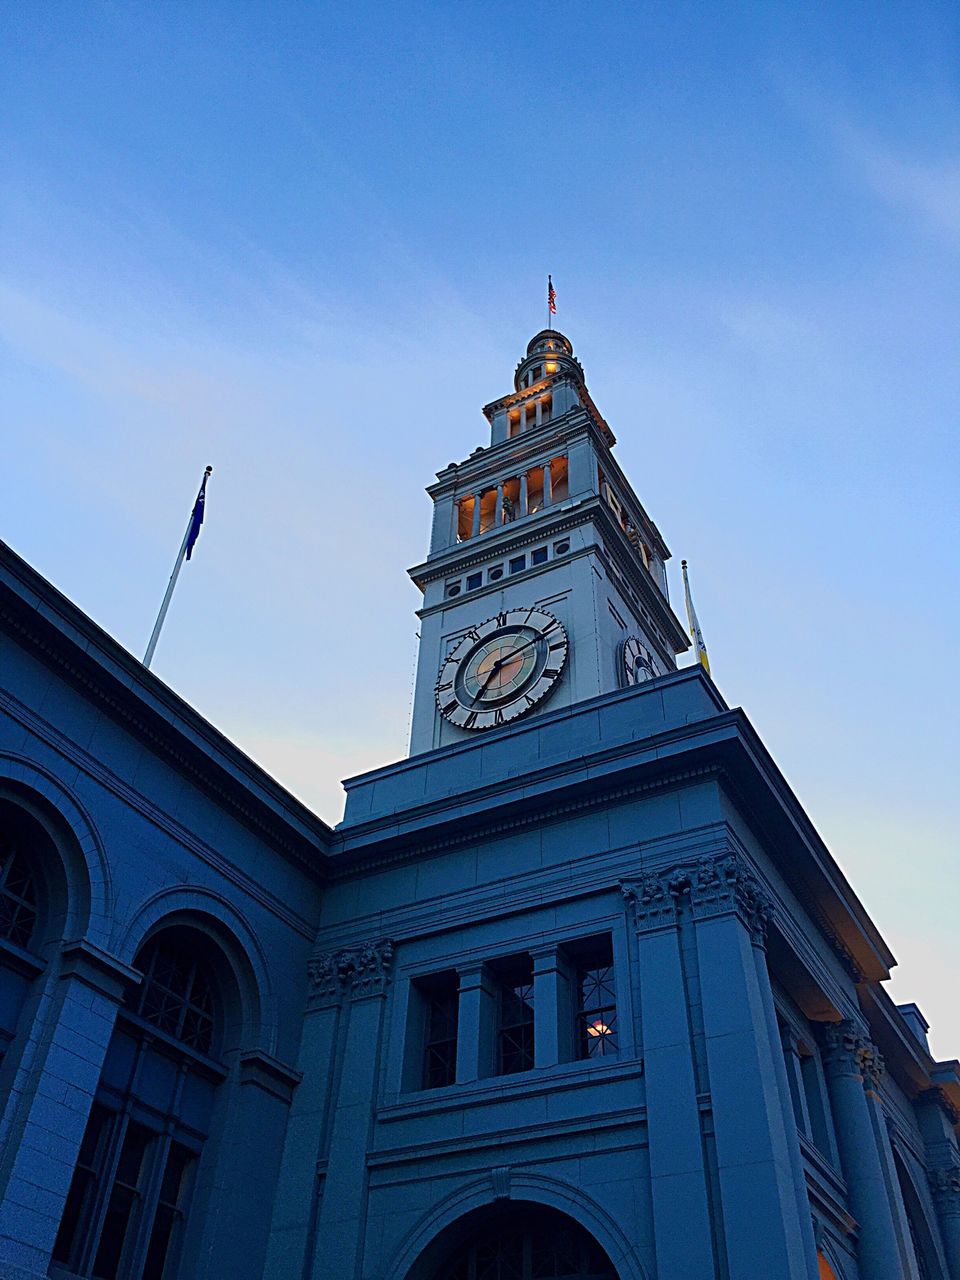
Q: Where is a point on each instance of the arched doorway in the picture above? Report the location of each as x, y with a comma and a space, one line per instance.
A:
514, 1241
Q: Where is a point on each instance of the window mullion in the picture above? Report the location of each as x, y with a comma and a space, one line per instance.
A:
104, 1182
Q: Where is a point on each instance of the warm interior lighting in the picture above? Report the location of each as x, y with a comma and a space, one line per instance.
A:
550, 368
597, 1028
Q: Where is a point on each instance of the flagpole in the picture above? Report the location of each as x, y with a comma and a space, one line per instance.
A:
181, 556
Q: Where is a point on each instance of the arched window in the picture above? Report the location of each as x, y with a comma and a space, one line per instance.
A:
125, 1215
516, 1242
23, 844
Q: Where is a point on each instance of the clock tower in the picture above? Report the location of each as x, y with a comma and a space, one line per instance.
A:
545, 584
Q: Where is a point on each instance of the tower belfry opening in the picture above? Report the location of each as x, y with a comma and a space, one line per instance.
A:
542, 519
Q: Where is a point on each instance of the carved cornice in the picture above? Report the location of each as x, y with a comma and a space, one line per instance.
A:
713, 886
359, 971
847, 1051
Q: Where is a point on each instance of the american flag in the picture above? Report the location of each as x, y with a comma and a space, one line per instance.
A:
551, 297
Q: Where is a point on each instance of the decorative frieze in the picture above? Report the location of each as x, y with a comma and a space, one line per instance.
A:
712, 886
360, 971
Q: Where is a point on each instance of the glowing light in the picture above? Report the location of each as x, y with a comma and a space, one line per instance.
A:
598, 1028
550, 368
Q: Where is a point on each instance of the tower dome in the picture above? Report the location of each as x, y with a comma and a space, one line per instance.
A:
548, 352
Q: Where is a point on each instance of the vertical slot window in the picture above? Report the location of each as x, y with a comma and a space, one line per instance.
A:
597, 1030
465, 519
515, 1017
442, 1005
559, 479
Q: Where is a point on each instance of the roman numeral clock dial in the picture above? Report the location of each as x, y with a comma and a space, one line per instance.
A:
502, 668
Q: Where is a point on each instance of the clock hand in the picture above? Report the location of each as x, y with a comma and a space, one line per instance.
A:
499, 663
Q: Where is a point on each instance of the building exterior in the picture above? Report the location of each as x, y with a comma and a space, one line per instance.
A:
574, 991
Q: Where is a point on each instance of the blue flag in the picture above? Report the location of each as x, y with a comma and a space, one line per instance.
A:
196, 519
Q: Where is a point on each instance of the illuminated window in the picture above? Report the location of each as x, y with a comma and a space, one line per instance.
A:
488, 509
442, 999
18, 897
597, 1035
515, 1016
464, 519
559, 482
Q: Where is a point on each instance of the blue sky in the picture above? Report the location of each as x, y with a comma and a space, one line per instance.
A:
305, 242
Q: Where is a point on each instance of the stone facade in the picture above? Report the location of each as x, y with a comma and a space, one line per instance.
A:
586, 992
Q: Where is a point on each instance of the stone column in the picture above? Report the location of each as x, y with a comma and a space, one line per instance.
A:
678, 1177
476, 1024
498, 512
847, 1054
945, 1189
475, 527
297, 1194
341, 1227
765, 1208
553, 1011
73, 1029
937, 1117
523, 494
547, 486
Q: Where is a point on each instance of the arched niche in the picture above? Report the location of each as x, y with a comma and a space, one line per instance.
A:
514, 1240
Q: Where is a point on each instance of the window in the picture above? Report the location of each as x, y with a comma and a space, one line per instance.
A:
597, 1035
18, 897
453, 589
488, 509
442, 999
561, 548
125, 1210
539, 556
464, 519
524, 1242
176, 995
518, 564
474, 580
559, 479
495, 574
515, 1017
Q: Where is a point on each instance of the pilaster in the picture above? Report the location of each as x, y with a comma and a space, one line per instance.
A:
365, 973
765, 1207
74, 1025
553, 1012
475, 1024
681, 1210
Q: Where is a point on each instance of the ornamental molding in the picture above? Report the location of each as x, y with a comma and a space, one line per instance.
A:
713, 886
945, 1188
848, 1051
364, 970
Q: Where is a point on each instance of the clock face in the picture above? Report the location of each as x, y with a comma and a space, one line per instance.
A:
502, 668
637, 663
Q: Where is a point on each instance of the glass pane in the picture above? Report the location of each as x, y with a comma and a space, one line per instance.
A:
124, 1200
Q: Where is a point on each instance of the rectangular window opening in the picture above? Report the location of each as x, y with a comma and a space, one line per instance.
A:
515, 1015
465, 519
441, 996
597, 1027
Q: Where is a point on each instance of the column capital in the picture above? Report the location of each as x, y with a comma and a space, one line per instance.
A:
727, 883
848, 1051
97, 969
654, 899
945, 1189
936, 1097
359, 971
